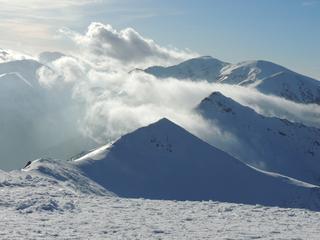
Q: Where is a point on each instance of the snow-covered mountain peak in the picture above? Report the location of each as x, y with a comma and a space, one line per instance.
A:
219, 101
216, 101
201, 68
269, 143
164, 161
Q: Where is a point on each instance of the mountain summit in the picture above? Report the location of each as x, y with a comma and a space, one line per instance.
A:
269, 143
164, 161
201, 68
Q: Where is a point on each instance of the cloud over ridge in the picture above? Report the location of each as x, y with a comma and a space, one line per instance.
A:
126, 46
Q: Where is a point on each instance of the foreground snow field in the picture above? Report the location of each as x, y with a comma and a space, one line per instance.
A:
103, 217
53, 200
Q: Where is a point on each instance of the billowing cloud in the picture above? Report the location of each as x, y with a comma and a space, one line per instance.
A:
115, 102
65, 70
126, 46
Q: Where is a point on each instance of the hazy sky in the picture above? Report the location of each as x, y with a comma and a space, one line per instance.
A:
283, 31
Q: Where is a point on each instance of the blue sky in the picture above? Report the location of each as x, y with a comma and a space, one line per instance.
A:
283, 31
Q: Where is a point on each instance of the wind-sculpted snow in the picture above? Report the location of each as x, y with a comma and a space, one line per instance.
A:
164, 161
271, 144
66, 173
118, 218
46, 186
34, 205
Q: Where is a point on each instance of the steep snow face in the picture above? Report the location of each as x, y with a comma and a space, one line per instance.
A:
203, 68
268, 143
164, 161
291, 86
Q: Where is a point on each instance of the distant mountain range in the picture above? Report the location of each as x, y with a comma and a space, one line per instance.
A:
271, 162
266, 77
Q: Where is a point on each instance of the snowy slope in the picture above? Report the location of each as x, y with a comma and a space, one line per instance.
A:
46, 186
269, 143
65, 174
267, 77
164, 161
27, 69
248, 72
270, 78
42, 204
118, 218
202, 68
291, 86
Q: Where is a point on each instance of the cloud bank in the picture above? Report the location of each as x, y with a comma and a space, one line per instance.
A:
115, 101
127, 46
93, 93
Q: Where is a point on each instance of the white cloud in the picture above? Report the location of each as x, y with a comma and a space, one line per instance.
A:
126, 46
114, 102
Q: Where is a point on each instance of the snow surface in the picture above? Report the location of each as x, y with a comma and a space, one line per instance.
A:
248, 72
291, 86
267, 77
42, 202
164, 161
272, 144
